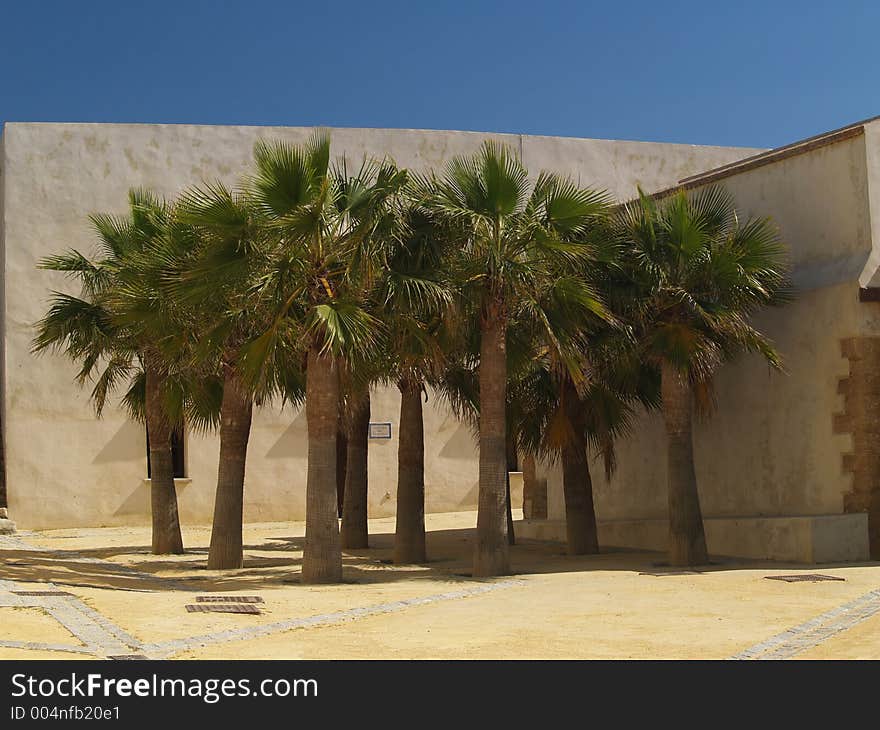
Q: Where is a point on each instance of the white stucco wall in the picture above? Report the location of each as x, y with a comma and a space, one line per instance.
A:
65, 468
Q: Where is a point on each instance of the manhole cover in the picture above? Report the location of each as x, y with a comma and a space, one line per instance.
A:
803, 577
223, 608
41, 593
229, 599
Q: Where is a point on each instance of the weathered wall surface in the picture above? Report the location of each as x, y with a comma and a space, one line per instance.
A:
775, 446
65, 467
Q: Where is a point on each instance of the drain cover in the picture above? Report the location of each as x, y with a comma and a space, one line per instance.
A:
229, 599
41, 593
803, 577
223, 608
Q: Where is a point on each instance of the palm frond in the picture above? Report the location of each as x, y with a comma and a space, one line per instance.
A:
343, 327
287, 176
117, 369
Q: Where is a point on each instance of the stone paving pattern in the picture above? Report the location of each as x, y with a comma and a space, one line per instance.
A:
102, 637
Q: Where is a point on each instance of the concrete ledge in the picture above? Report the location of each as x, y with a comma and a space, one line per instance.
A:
806, 539
7, 526
178, 482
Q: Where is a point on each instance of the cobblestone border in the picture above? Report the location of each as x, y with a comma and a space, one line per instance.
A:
165, 648
813, 632
102, 638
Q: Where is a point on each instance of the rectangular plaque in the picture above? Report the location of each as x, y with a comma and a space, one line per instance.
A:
380, 431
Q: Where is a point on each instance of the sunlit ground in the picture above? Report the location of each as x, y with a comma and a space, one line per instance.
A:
615, 605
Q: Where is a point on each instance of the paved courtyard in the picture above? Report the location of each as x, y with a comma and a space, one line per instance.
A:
90, 593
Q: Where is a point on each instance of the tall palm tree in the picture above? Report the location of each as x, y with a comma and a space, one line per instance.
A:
106, 327
413, 298
551, 342
564, 388
218, 286
321, 219
515, 235
700, 273
363, 368
355, 381
4, 500
555, 419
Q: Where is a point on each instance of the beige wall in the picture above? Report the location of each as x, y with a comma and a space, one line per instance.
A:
771, 448
65, 467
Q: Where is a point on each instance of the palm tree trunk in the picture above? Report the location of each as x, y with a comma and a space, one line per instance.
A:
511, 535
409, 534
322, 556
341, 466
167, 539
577, 486
510, 447
492, 553
236, 412
354, 508
687, 540
580, 515
4, 500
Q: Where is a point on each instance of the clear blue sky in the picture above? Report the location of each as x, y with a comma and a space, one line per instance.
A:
739, 72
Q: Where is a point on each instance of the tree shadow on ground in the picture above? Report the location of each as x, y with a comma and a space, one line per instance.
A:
32, 566
276, 562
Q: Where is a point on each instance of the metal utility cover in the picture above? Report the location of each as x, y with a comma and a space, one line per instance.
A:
223, 608
229, 599
41, 593
803, 578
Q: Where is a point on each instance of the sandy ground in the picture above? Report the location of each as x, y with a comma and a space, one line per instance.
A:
859, 642
614, 605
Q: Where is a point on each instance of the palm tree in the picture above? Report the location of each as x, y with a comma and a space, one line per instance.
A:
699, 273
578, 388
107, 327
218, 286
323, 256
515, 235
413, 299
555, 419
355, 416
363, 368
4, 500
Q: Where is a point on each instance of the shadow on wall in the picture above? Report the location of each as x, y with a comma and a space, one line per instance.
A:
460, 445
138, 502
471, 499
128, 443
294, 442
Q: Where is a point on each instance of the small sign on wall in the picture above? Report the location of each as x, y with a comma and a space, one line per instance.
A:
380, 431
